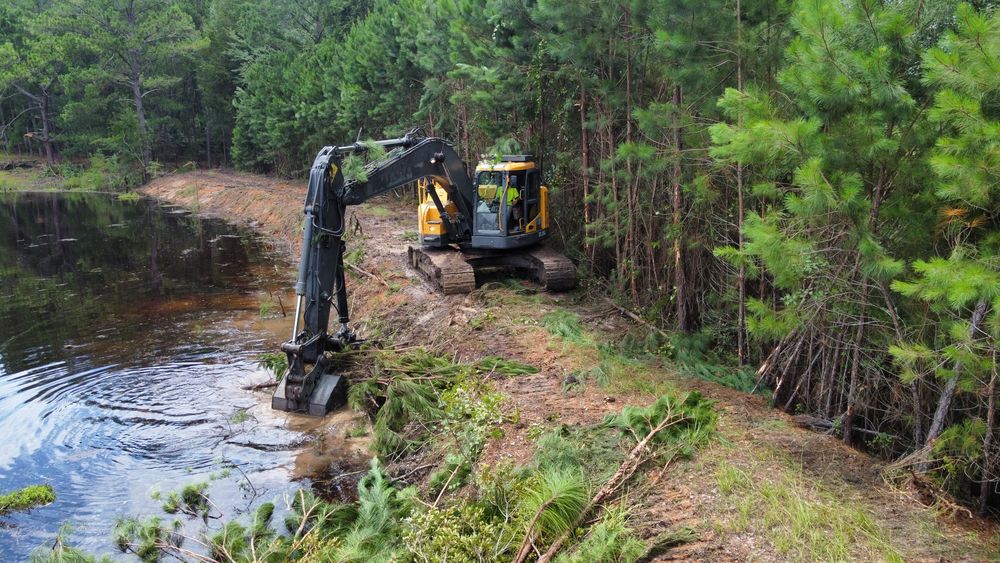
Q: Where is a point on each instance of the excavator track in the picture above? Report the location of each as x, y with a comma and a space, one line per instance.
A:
445, 269
453, 272
552, 270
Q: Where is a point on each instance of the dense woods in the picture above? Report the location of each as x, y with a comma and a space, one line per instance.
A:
808, 190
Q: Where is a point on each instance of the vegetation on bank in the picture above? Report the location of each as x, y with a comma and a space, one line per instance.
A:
566, 503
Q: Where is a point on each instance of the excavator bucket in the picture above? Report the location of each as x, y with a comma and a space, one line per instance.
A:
329, 393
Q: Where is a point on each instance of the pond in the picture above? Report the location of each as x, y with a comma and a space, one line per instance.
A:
128, 330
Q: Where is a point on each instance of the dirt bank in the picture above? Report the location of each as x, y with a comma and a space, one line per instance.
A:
766, 490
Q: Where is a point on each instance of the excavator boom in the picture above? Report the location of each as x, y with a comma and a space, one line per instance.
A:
310, 385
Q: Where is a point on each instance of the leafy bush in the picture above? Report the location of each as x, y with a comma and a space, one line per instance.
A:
101, 174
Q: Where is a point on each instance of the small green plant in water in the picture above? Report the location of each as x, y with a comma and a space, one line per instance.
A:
191, 500
240, 416
276, 363
266, 309
27, 498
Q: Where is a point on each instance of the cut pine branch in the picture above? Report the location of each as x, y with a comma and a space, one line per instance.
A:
635, 458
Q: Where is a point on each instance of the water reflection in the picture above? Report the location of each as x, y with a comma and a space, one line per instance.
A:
126, 331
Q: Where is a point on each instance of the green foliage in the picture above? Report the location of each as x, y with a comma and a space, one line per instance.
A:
146, 538
62, 551
27, 498
418, 386
958, 454
554, 500
688, 420
101, 174
693, 355
608, 540
191, 500
564, 324
460, 533
274, 362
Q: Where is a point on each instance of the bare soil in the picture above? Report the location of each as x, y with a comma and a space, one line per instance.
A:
392, 303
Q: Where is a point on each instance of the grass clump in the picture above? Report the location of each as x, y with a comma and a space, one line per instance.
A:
27, 498
802, 522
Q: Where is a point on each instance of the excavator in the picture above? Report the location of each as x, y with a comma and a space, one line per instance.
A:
494, 218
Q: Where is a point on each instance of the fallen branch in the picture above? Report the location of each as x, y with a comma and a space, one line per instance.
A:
260, 386
626, 470
402, 477
821, 424
375, 277
637, 318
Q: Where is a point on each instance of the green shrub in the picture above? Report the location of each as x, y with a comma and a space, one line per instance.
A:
460, 533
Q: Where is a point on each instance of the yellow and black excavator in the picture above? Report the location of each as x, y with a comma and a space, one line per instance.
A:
495, 218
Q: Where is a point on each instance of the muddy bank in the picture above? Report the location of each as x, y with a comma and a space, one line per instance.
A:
272, 207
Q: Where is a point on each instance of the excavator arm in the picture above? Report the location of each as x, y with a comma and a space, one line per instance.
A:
311, 386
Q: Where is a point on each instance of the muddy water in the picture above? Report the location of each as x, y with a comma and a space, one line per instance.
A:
126, 332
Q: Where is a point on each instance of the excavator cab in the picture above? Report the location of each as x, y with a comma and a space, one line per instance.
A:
510, 204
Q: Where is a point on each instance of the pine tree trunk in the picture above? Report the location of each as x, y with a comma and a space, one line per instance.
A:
208, 144
984, 487
46, 130
135, 83
680, 281
4, 139
741, 276
585, 166
944, 403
